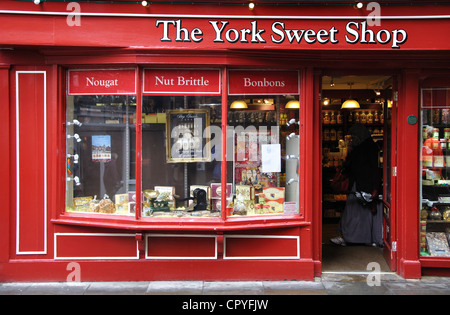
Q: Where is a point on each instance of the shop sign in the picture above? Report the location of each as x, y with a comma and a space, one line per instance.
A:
280, 33
263, 82
102, 82
182, 81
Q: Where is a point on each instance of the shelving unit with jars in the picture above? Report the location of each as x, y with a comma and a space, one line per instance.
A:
335, 141
435, 179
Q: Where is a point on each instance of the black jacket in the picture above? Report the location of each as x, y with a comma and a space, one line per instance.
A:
361, 166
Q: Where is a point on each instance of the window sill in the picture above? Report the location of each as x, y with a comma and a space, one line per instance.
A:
188, 224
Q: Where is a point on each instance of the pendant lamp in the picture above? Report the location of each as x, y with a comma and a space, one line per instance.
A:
239, 104
293, 104
350, 103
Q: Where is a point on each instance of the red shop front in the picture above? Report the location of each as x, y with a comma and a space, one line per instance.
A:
193, 141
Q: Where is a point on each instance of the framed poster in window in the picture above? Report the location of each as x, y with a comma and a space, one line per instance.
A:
188, 136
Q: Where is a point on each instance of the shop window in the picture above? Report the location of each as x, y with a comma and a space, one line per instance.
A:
435, 172
100, 141
99, 167
263, 119
181, 162
178, 143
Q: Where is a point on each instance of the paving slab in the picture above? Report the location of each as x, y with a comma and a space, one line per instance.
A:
354, 288
233, 287
294, 288
175, 288
117, 288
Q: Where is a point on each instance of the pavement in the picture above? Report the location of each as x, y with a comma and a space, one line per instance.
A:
328, 284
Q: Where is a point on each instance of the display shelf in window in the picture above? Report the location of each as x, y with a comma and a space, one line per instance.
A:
435, 173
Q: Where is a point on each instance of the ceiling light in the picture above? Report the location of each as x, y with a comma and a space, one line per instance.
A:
350, 103
326, 101
293, 104
239, 104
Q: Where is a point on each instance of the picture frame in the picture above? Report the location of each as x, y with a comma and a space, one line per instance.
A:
188, 138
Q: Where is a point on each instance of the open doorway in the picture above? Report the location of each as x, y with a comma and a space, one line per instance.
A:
372, 96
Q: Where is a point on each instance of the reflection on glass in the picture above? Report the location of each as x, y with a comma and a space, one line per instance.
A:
181, 156
99, 169
265, 145
435, 173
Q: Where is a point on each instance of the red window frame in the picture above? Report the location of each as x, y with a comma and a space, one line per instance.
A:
223, 223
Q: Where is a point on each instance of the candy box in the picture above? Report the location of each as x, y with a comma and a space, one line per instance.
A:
216, 190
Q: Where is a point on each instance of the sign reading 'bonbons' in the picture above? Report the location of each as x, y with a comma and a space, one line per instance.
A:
102, 82
263, 82
182, 81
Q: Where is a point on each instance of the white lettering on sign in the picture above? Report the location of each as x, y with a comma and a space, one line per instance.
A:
223, 32
100, 82
263, 83
181, 81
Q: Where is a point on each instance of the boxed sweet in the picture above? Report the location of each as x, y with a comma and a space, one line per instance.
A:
250, 207
121, 208
121, 199
82, 203
274, 193
275, 207
245, 192
132, 207
166, 193
161, 118
131, 196
437, 244
216, 190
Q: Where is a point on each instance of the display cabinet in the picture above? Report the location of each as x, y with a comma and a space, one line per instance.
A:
435, 173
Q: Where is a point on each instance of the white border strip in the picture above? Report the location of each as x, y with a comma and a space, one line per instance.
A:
44, 251
180, 257
201, 16
261, 236
97, 257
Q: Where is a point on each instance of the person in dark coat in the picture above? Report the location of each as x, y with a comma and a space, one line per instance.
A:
360, 223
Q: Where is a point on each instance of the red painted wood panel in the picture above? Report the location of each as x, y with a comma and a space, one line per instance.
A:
181, 246
31, 181
95, 246
261, 246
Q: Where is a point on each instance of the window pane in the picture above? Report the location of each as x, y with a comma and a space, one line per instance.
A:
100, 134
435, 171
181, 153
266, 155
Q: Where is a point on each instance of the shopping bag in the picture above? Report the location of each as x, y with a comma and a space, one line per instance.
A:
340, 181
